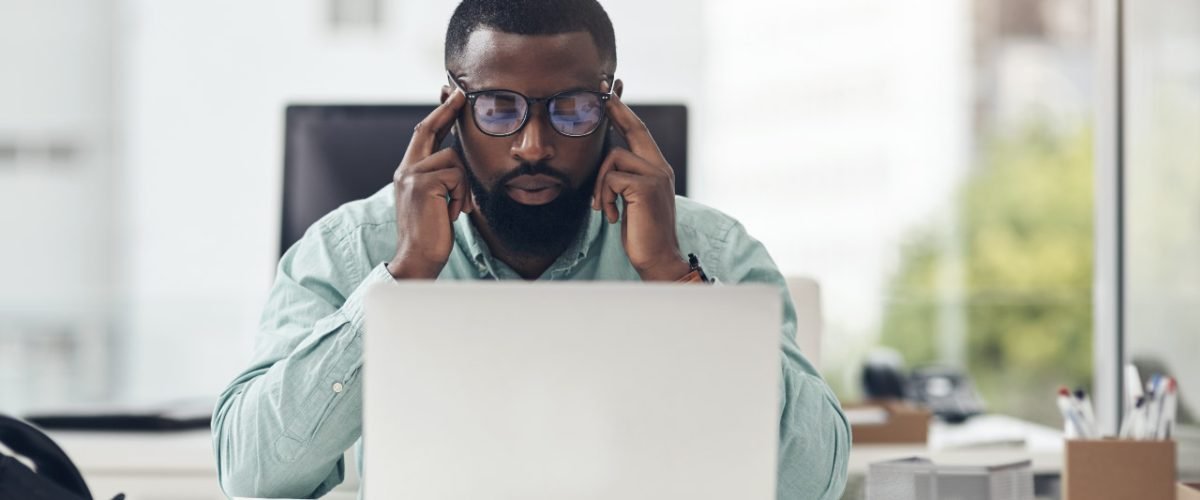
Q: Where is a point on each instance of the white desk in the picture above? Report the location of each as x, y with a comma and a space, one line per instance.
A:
158, 466
180, 466
967, 444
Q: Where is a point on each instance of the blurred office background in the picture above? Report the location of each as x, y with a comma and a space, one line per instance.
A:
930, 163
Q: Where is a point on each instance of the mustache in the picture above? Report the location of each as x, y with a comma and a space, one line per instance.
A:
539, 168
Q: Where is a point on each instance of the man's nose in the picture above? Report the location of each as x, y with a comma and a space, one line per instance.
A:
535, 141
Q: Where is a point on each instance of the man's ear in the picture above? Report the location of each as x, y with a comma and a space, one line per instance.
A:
446, 90
618, 87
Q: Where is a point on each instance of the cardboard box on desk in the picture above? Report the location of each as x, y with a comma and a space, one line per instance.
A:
1119, 468
904, 423
1187, 491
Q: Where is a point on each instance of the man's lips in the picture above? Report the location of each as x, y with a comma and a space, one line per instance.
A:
533, 182
534, 189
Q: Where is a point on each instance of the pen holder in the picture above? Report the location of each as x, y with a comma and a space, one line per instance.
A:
904, 423
1119, 469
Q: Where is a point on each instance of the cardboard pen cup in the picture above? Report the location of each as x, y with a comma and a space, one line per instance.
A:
1119, 469
905, 424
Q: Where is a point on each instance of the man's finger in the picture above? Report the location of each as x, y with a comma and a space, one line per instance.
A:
605, 167
622, 160
608, 202
611, 182
626, 161
462, 195
453, 190
460, 199
633, 130
446, 158
618, 159
454, 208
437, 124
618, 183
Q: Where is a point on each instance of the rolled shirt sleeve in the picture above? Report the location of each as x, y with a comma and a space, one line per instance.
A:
814, 436
281, 427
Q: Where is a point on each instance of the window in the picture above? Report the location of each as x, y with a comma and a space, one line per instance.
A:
1162, 194
930, 165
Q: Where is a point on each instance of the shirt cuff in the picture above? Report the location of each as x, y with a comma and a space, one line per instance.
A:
353, 309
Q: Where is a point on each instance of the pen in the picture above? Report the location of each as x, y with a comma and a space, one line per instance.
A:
1133, 387
1152, 408
1166, 426
1073, 422
1084, 403
1130, 423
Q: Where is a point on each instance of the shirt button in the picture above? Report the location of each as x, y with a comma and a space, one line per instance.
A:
337, 387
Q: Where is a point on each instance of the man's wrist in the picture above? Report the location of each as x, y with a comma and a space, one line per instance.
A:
393, 269
400, 271
671, 270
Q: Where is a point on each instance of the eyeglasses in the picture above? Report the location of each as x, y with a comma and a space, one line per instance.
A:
499, 113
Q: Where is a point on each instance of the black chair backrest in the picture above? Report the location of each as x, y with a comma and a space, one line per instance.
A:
56, 475
334, 154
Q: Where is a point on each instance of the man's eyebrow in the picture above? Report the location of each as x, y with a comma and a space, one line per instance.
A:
590, 82
577, 87
458, 78
572, 88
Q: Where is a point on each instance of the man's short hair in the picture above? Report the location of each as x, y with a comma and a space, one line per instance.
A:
532, 17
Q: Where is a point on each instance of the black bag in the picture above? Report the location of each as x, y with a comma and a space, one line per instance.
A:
56, 477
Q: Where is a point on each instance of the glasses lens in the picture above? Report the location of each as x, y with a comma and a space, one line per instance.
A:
576, 113
499, 113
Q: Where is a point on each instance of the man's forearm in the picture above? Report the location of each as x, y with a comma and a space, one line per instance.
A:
814, 445
260, 451
282, 427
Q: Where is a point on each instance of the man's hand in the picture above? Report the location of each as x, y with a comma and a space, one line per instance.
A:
423, 182
644, 179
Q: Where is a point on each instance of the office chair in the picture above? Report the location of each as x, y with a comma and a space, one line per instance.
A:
806, 297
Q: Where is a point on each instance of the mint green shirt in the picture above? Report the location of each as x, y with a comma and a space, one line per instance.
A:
282, 426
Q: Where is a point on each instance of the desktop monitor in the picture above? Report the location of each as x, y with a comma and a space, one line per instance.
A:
334, 154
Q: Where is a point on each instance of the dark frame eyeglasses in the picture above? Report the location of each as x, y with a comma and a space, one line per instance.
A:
502, 112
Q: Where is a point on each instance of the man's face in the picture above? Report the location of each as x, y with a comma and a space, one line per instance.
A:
533, 187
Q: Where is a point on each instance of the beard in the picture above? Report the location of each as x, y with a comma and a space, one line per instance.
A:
533, 230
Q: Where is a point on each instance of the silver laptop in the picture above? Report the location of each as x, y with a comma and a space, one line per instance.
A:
571, 391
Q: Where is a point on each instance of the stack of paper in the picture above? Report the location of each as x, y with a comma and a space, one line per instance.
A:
920, 479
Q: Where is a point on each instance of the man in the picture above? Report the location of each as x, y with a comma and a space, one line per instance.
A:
531, 189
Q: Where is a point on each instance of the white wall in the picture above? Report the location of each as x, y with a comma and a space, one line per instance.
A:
56, 211
204, 87
55, 89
